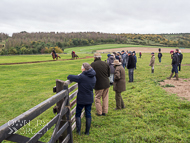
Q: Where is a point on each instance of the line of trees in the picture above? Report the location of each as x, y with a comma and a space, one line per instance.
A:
41, 42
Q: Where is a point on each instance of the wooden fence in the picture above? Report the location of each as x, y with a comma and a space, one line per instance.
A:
64, 121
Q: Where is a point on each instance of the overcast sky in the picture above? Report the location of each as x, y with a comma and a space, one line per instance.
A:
110, 16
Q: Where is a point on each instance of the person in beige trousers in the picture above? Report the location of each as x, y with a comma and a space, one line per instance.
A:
152, 61
102, 85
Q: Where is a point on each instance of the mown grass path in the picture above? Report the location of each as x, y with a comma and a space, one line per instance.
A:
151, 114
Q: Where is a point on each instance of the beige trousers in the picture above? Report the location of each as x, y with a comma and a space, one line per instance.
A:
105, 97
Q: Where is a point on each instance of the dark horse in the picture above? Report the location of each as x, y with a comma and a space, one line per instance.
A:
74, 55
55, 56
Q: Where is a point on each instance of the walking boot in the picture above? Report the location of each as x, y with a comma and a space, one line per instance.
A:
88, 124
176, 76
170, 76
78, 125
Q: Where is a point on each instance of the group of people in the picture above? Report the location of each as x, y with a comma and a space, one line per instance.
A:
100, 75
96, 76
127, 59
176, 57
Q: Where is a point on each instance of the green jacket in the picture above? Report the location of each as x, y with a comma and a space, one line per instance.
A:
102, 70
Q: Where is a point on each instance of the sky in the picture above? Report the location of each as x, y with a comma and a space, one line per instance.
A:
108, 16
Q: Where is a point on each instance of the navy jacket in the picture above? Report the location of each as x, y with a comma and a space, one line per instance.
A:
86, 83
175, 59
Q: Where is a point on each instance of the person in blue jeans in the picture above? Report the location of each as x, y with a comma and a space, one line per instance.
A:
86, 83
159, 56
174, 57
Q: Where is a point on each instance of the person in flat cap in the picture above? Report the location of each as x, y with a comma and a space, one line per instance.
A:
175, 62
152, 61
119, 84
131, 66
86, 83
102, 70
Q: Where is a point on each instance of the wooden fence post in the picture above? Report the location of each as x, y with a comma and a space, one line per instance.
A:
59, 87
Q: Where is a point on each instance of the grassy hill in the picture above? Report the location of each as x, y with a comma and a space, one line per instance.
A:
151, 113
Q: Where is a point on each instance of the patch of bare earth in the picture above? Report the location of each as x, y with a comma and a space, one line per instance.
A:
182, 87
143, 50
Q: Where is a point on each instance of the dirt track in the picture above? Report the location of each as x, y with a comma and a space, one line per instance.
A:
87, 57
181, 87
143, 50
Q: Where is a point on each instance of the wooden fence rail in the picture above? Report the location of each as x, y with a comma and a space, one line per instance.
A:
64, 121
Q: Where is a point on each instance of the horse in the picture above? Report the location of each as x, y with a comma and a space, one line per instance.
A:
75, 56
55, 56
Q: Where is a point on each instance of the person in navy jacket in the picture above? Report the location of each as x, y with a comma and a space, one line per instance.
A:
86, 83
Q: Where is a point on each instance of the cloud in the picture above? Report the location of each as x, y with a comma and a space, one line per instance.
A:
112, 16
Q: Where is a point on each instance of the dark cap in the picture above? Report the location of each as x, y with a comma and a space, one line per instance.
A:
152, 53
129, 52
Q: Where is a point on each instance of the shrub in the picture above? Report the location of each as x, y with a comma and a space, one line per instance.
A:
12, 51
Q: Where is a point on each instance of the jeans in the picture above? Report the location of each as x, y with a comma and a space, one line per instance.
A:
131, 75
87, 110
174, 69
124, 64
160, 60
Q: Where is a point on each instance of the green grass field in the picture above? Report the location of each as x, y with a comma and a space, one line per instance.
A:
32, 58
90, 49
151, 114
80, 51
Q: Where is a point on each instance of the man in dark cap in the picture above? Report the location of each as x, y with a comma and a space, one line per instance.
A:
130, 66
135, 58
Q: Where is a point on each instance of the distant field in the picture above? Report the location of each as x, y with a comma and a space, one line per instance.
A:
90, 49
80, 51
151, 113
143, 50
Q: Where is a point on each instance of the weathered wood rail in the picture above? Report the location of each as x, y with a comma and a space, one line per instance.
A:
64, 121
